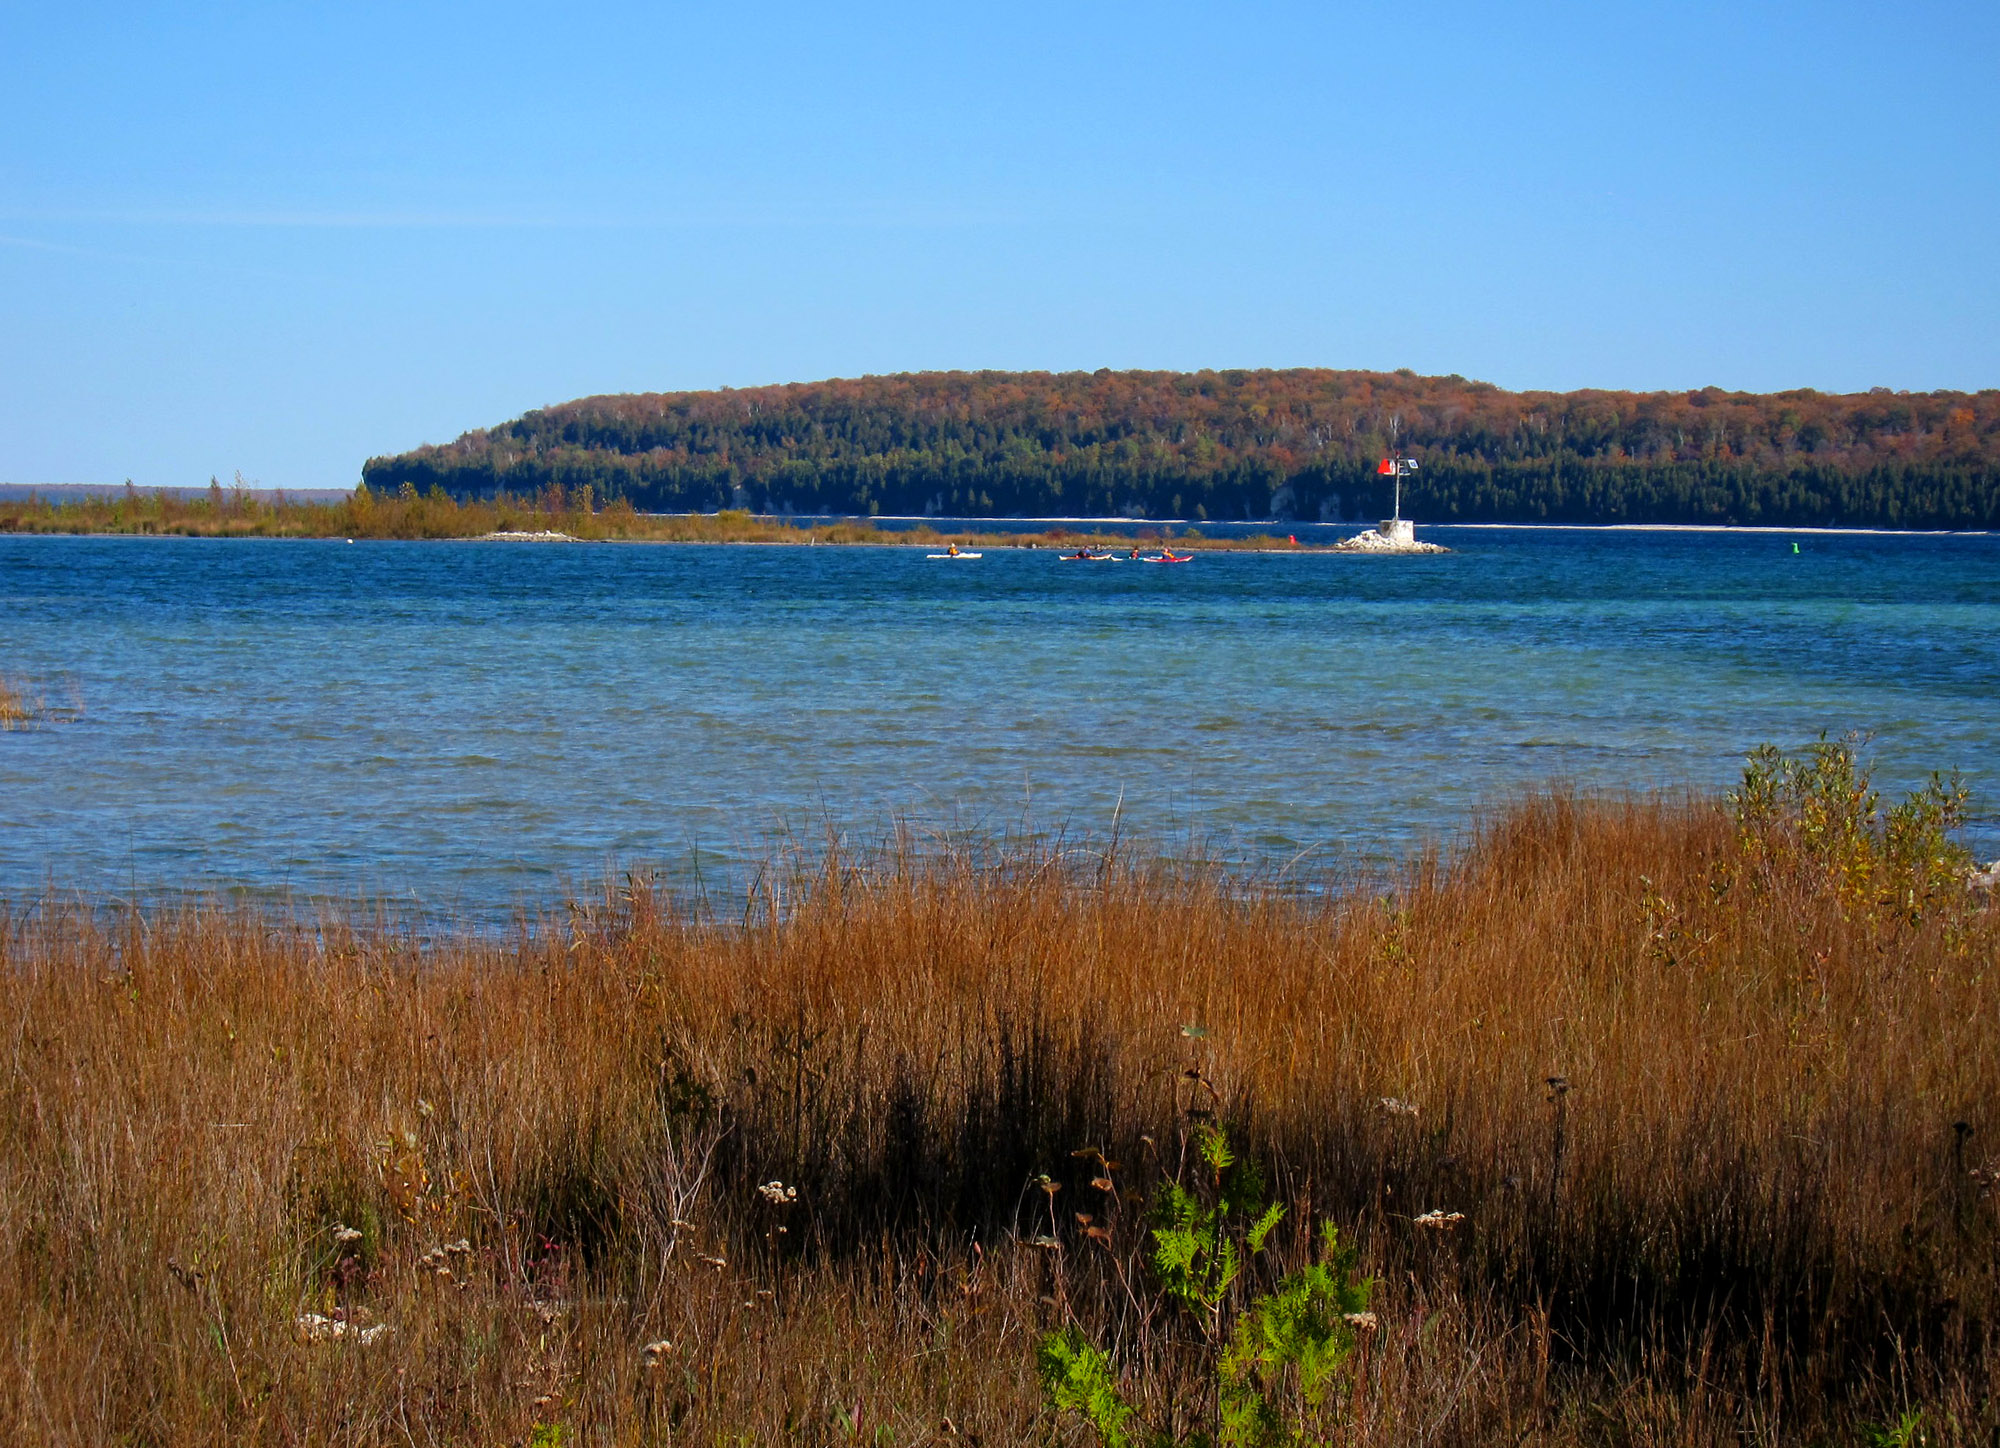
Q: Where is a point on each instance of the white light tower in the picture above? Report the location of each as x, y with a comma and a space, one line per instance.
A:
1396, 528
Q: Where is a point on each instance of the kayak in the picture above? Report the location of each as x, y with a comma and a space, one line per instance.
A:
1164, 558
953, 555
1090, 558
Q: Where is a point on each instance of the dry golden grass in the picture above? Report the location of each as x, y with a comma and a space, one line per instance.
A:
1701, 1110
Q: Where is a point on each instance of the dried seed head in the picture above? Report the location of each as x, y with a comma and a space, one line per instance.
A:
777, 1193
1392, 1106
1361, 1321
1438, 1220
655, 1353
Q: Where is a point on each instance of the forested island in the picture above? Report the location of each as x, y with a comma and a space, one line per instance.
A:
1302, 444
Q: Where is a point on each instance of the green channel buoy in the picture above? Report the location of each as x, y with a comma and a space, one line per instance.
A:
1795, 548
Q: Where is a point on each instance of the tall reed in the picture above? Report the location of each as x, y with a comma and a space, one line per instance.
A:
24, 704
1720, 1128
17, 708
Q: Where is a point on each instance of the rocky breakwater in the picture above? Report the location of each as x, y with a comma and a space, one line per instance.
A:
1394, 540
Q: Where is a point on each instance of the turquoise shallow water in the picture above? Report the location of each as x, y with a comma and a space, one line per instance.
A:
477, 723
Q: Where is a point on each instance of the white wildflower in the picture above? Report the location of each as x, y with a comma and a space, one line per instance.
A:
438, 1259
312, 1327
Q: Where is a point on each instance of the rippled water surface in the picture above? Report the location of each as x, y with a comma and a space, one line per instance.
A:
475, 723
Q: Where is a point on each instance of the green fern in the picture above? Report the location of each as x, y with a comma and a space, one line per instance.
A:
1196, 1254
1077, 1378
1906, 1432
1292, 1339
1269, 1374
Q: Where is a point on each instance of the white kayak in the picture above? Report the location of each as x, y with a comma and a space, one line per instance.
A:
952, 555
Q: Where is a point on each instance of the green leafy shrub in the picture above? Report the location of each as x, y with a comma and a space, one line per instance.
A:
1817, 813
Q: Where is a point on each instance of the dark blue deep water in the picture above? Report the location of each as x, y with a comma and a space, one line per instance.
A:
476, 724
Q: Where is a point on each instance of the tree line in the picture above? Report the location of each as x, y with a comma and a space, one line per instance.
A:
1303, 443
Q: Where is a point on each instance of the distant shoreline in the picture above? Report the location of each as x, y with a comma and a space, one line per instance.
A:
408, 516
1284, 525
1723, 528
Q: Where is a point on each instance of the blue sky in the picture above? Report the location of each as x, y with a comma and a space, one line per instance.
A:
277, 239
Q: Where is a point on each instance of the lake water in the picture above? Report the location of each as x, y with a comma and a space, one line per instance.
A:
476, 724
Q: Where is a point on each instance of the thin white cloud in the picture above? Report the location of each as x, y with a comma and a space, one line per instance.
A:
32, 243
303, 219
851, 215
35, 245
